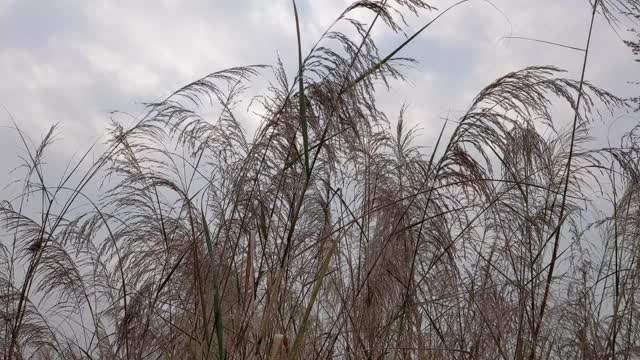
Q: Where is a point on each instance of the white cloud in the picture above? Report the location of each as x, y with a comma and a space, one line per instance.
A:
71, 62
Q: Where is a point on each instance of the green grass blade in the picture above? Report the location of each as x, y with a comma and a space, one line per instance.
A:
303, 118
217, 308
297, 343
382, 62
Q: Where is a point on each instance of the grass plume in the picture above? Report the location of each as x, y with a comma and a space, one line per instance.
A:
329, 233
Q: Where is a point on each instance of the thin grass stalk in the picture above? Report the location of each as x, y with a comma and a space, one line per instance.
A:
556, 244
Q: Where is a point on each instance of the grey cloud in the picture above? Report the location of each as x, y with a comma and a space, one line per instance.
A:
73, 61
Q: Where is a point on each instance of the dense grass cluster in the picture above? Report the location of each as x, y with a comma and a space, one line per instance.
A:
329, 233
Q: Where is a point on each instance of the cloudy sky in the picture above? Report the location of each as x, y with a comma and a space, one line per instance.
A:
72, 61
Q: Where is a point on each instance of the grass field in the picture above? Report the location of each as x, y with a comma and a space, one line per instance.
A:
329, 233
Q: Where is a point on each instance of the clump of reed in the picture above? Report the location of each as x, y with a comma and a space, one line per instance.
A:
329, 233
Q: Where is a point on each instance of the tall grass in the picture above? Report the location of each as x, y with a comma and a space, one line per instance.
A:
330, 233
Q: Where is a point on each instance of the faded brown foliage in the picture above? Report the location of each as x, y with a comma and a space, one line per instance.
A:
509, 238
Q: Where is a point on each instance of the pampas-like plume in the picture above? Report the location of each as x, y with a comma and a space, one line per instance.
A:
512, 237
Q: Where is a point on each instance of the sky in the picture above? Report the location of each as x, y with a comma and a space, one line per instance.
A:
72, 62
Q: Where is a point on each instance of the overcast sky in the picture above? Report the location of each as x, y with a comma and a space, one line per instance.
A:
71, 62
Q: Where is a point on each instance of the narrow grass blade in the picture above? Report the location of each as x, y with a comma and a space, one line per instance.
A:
382, 62
297, 343
217, 308
303, 118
